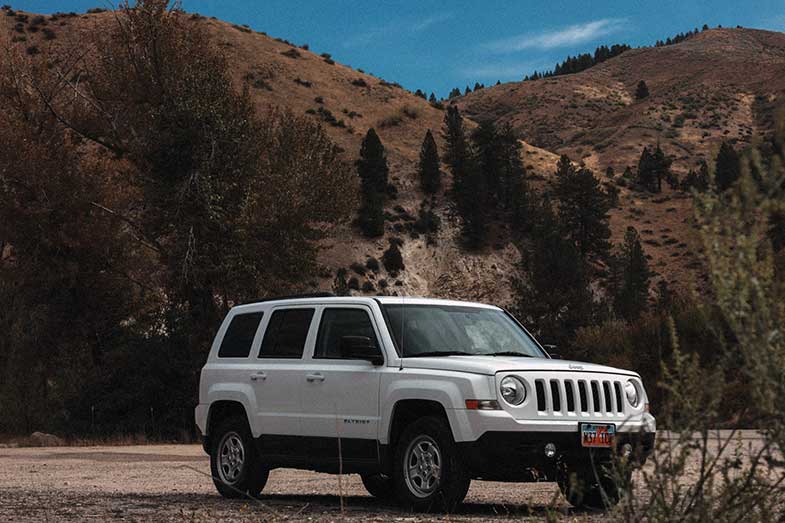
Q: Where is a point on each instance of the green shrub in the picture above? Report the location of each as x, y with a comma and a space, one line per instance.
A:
392, 258
372, 264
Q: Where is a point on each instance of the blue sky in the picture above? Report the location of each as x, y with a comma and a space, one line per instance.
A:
435, 46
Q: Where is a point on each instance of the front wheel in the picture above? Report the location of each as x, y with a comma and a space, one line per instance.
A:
234, 462
585, 488
427, 471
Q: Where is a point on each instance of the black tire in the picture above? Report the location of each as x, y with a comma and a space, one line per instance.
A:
446, 492
379, 486
233, 480
582, 489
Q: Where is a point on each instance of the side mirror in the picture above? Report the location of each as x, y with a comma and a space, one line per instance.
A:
551, 349
361, 348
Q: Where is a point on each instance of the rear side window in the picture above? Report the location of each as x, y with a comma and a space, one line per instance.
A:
337, 323
239, 336
286, 333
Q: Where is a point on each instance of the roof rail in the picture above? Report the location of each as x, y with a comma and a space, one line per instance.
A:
294, 296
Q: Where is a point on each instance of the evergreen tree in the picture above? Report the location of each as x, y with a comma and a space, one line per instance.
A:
392, 258
553, 293
632, 290
583, 210
468, 187
653, 167
430, 176
432, 98
609, 173
457, 149
512, 189
642, 91
373, 171
727, 168
454, 93
698, 180
467, 90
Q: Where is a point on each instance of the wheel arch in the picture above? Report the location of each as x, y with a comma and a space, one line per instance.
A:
219, 411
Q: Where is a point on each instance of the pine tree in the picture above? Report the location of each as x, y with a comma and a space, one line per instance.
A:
432, 98
583, 210
632, 294
727, 168
642, 91
454, 93
468, 187
467, 90
392, 258
698, 180
373, 171
553, 293
653, 167
430, 176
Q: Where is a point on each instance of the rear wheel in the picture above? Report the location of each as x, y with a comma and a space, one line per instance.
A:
379, 485
427, 471
234, 462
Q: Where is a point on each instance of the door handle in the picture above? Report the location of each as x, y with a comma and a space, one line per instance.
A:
314, 377
258, 376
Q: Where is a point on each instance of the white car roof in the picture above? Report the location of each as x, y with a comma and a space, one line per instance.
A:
408, 300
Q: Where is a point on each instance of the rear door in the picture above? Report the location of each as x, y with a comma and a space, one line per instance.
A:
277, 374
341, 396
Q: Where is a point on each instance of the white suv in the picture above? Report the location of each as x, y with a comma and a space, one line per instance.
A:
418, 396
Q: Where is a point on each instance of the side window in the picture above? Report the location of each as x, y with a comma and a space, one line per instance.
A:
239, 335
337, 323
286, 333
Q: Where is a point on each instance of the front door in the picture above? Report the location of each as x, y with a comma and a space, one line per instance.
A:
340, 397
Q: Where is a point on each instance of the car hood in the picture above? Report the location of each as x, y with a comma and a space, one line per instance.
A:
490, 365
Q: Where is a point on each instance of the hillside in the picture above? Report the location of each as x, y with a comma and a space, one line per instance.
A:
718, 84
347, 102
721, 84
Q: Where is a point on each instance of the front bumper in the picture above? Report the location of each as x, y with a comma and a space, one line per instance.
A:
520, 456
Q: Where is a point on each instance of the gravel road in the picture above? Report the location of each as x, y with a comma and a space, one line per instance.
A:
170, 483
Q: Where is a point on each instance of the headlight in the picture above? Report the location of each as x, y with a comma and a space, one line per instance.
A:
513, 390
632, 393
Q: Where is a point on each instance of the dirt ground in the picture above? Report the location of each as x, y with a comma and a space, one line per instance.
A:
170, 483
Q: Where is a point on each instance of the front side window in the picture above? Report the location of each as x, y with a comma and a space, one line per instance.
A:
286, 333
337, 323
239, 335
442, 330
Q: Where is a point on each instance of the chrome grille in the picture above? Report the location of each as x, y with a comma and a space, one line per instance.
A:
579, 396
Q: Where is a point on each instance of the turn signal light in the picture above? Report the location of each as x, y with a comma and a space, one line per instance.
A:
482, 405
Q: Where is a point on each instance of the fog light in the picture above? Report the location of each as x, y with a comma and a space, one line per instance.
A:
550, 450
626, 450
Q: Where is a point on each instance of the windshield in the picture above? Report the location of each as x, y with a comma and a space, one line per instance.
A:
447, 330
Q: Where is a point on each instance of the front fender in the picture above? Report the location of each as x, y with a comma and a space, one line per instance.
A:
449, 389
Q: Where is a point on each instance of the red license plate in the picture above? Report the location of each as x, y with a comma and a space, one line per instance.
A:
597, 435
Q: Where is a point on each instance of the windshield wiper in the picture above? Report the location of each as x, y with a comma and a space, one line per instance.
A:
439, 353
509, 353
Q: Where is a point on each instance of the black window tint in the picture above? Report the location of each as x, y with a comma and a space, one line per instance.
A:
286, 333
337, 323
239, 336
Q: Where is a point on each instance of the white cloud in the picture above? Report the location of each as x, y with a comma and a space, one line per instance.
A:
395, 28
501, 71
567, 36
427, 22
